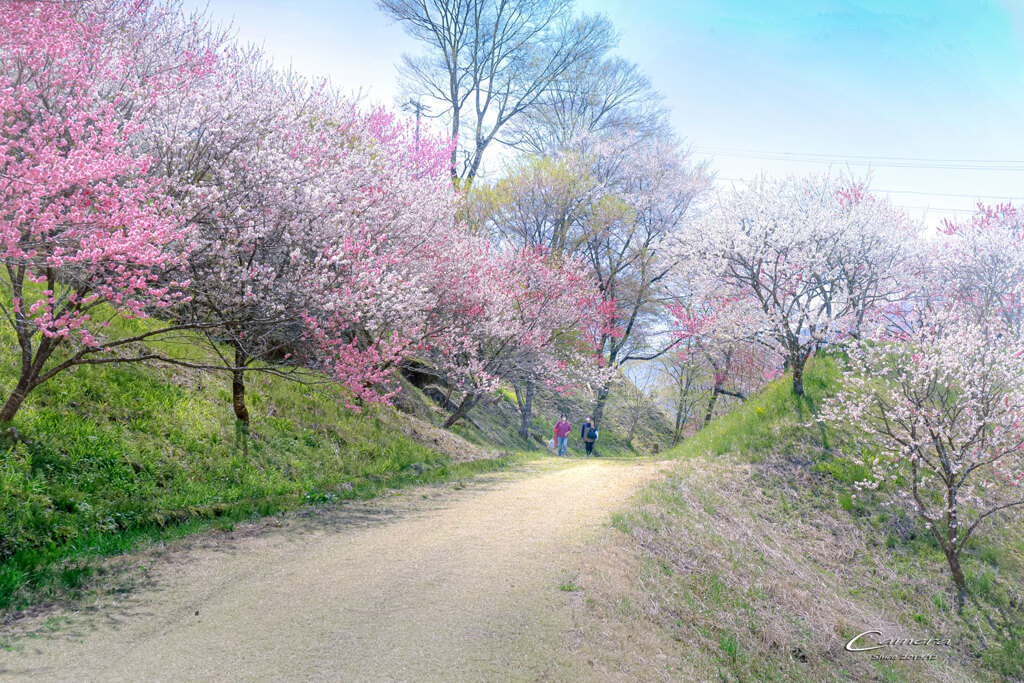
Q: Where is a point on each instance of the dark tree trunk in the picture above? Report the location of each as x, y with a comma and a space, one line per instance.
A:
798, 377
31, 368
467, 404
958, 575
238, 387
454, 160
632, 432
711, 403
526, 408
677, 434
602, 399
14, 401
949, 545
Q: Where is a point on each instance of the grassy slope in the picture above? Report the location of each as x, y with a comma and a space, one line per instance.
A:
755, 562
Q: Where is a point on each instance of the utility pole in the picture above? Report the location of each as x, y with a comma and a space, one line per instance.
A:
419, 108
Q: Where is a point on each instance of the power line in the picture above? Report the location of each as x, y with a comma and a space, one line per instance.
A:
949, 194
869, 158
880, 162
923, 193
906, 207
935, 208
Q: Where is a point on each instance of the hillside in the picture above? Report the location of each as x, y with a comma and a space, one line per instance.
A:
753, 561
112, 458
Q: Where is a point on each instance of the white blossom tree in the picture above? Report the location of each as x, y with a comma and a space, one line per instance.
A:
979, 264
941, 411
818, 255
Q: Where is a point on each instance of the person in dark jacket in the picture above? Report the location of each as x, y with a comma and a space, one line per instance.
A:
589, 435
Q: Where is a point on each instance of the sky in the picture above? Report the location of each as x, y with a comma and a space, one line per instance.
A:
924, 98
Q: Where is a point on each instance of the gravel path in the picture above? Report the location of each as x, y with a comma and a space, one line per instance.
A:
433, 584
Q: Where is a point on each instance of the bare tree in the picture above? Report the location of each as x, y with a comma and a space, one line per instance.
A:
649, 187
594, 99
681, 377
489, 62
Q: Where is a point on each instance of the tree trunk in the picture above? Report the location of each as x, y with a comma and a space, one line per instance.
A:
467, 404
238, 387
798, 377
602, 398
949, 545
30, 367
15, 400
958, 575
711, 403
526, 409
677, 434
454, 160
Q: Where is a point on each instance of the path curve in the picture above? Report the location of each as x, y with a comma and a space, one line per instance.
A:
436, 584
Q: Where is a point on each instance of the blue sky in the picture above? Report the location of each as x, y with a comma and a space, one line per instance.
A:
898, 82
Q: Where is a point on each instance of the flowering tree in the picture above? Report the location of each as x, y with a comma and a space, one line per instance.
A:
873, 255
310, 216
648, 186
399, 264
943, 406
817, 255
681, 383
612, 202
561, 316
542, 201
85, 228
719, 332
523, 320
980, 265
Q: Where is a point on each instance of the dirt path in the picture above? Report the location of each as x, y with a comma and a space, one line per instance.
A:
434, 584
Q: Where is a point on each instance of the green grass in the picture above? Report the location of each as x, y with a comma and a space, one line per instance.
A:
774, 417
568, 586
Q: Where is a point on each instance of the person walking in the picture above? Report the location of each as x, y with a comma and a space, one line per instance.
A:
589, 435
562, 431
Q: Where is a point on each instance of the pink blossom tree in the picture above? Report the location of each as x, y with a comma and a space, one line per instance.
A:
400, 262
940, 412
721, 335
311, 218
86, 231
526, 320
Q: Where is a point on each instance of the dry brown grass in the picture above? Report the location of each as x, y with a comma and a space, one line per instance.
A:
742, 577
452, 445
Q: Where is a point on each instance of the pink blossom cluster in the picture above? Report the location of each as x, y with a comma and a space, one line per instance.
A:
150, 165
